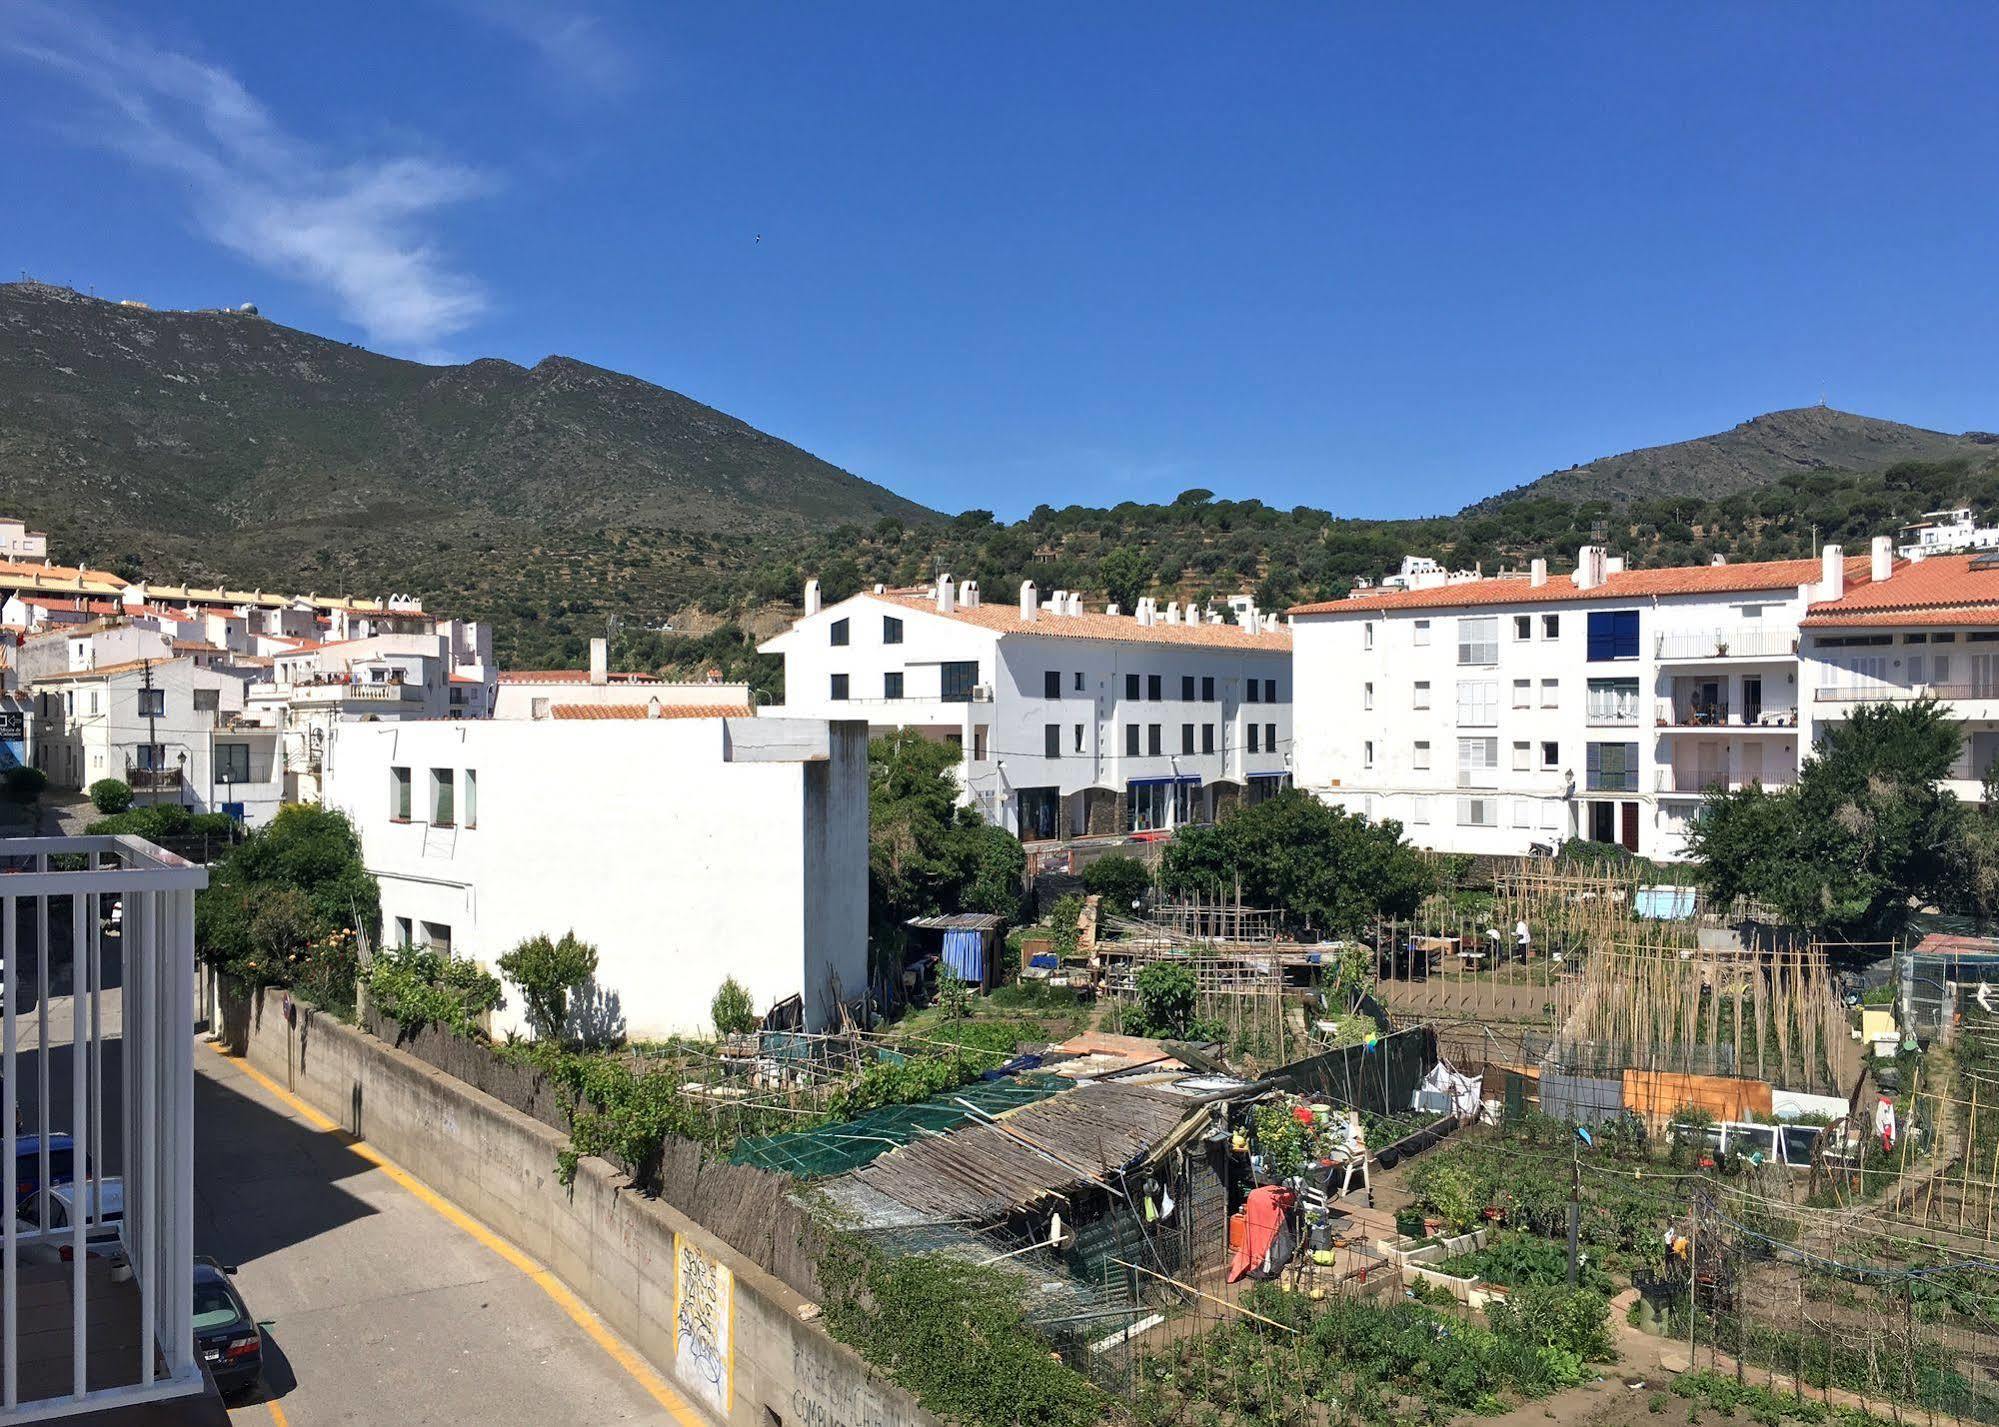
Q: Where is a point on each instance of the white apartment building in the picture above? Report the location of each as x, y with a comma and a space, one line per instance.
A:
1928, 626
1501, 714
173, 730
1069, 722
686, 849
17, 542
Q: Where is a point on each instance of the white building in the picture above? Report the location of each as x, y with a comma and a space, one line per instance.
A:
175, 731
687, 850
17, 542
1946, 532
599, 692
1069, 722
1495, 715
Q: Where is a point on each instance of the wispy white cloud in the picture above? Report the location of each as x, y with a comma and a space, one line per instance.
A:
577, 46
354, 228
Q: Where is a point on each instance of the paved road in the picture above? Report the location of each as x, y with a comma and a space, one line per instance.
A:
381, 1309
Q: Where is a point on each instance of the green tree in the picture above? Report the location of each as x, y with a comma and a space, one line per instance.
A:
732, 1011
110, 796
310, 859
545, 971
1119, 880
1325, 870
995, 872
1865, 832
1125, 574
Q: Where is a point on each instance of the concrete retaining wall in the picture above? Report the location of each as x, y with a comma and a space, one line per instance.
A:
745, 1356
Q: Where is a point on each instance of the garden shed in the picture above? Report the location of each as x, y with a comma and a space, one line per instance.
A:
967, 943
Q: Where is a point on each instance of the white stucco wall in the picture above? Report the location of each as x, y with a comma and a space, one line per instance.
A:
686, 850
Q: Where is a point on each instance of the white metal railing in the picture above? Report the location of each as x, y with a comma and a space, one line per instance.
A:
1700, 714
57, 899
1737, 641
1889, 693
1701, 780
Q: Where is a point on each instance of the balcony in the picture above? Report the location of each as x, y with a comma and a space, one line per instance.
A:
1670, 782
331, 693
1898, 693
153, 780
1727, 642
1679, 715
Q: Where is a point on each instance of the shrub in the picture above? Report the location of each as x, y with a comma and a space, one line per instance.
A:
1548, 1316
732, 1010
110, 795
1118, 879
545, 972
1062, 919
416, 986
23, 784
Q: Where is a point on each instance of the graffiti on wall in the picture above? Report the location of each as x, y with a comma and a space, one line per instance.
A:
704, 1321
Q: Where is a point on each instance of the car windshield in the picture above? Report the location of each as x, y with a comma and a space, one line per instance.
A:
212, 1308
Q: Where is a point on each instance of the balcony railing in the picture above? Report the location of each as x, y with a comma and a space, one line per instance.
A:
1689, 714
1728, 642
1694, 782
1890, 693
152, 780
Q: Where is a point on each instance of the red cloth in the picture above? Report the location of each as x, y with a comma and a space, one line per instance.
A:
1262, 1216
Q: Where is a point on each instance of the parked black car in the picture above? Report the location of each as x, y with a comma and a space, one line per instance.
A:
226, 1338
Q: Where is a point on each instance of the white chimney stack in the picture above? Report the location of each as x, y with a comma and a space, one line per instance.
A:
811, 598
1613, 564
1075, 602
968, 594
1717, 560
1113, 609
652, 707
1173, 611
1145, 611
1589, 568
600, 661
946, 595
1030, 604
1881, 561
1537, 574
1832, 573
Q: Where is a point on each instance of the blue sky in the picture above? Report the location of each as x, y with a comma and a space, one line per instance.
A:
1379, 259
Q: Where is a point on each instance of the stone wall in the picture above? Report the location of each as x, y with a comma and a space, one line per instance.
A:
725, 1332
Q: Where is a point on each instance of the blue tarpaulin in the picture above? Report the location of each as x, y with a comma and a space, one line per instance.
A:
965, 953
1666, 904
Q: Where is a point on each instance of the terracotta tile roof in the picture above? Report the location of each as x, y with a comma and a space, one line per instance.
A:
568, 676
1121, 628
466, 679
105, 671
196, 646
1943, 589
1624, 585
639, 711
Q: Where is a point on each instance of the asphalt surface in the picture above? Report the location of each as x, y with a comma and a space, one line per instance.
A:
380, 1310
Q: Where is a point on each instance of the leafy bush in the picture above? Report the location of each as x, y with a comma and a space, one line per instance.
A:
1550, 1316
1521, 1260
546, 972
415, 986
22, 784
110, 795
732, 1010
1118, 879
1062, 919
162, 822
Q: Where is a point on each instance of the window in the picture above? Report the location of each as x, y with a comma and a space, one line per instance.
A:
1079, 738
1207, 688
1478, 640
1186, 738
1270, 738
1419, 810
891, 629
1079, 681
1207, 738
1152, 743
1420, 695
471, 797
1523, 693
1613, 701
956, 680
1131, 740
1613, 634
1523, 626
443, 809
207, 700
1478, 762
839, 688
1551, 626
1611, 768
1255, 692
1421, 634
1154, 688
1478, 703
232, 762
1478, 812
1051, 740
1853, 641
1187, 688
979, 743
1551, 693
437, 936
1367, 695
1419, 756
1255, 739
1131, 686
399, 794
1521, 753
1523, 813
1367, 635
405, 931
152, 703
1551, 753
1270, 691
1367, 754
839, 633
892, 684
1051, 684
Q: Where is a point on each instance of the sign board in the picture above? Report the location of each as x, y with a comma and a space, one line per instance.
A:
13, 725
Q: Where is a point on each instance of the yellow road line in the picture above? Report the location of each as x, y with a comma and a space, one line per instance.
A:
636, 1367
277, 1412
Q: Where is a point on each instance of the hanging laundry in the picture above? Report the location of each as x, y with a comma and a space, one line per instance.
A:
1264, 1216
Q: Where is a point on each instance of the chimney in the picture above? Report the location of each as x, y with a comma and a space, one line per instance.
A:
1144, 611
1881, 561
1250, 621
1613, 564
1030, 603
946, 599
1589, 567
1537, 574
1075, 602
1058, 603
652, 707
968, 594
811, 598
1173, 611
1832, 573
600, 661
1717, 561
880, 588
1113, 609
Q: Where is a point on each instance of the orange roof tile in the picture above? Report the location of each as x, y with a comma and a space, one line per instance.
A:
1943, 589
1121, 628
641, 711
1624, 585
